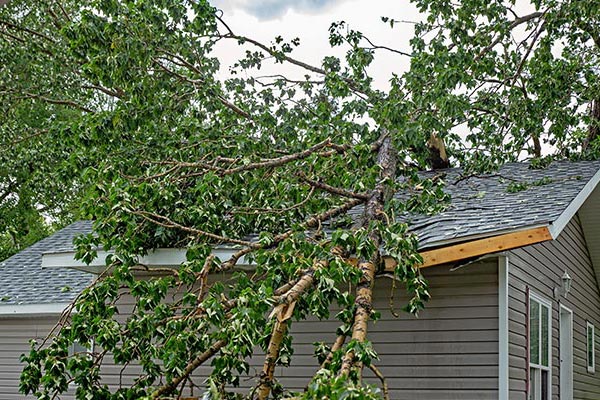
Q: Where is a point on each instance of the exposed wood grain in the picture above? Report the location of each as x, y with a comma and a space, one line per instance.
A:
476, 248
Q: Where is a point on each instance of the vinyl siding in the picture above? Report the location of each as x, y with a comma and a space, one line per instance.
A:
540, 267
15, 333
449, 352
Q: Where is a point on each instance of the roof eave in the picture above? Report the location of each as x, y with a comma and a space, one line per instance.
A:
32, 310
154, 260
557, 226
479, 247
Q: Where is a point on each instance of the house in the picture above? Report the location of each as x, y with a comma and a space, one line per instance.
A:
513, 266
32, 300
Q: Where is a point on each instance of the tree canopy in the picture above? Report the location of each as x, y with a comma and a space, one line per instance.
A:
119, 111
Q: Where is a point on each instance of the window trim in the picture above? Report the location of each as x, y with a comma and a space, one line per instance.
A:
88, 350
72, 353
547, 303
590, 368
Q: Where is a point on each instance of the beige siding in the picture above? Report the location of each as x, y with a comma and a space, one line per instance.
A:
540, 267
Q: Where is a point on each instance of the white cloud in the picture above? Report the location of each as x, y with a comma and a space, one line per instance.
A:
313, 31
271, 9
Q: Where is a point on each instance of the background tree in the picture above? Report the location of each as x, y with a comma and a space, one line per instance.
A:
298, 174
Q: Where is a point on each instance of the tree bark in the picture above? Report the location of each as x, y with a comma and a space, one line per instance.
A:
594, 128
339, 342
283, 312
537, 146
279, 331
387, 161
195, 363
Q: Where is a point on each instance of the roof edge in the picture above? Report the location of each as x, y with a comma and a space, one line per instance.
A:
557, 226
30, 310
478, 236
480, 247
158, 258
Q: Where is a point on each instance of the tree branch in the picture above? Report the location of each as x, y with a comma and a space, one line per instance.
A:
312, 222
24, 29
195, 363
280, 55
378, 374
69, 103
331, 189
268, 163
196, 82
516, 22
168, 223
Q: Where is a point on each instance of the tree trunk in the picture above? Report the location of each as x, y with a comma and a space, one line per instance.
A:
279, 331
537, 146
594, 128
387, 161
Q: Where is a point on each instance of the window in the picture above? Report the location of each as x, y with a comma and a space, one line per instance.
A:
77, 348
540, 355
591, 346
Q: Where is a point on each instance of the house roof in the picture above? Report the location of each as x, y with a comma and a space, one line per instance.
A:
515, 197
23, 281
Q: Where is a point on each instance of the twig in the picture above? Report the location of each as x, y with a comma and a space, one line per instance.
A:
331, 189
377, 372
168, 223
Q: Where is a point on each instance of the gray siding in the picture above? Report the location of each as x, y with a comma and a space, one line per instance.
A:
449, 352
540, 267
15, 334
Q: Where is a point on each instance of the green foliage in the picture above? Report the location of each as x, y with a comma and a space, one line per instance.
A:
516, 186
326, 385
120, 112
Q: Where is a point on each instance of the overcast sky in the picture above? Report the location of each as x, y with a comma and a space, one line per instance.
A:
309, 20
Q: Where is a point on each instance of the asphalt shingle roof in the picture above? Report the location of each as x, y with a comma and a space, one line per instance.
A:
481, 205
484, 204
24, 281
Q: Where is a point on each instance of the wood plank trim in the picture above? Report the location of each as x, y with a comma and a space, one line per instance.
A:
476, 248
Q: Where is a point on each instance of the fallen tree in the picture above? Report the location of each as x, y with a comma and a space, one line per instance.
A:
297, 172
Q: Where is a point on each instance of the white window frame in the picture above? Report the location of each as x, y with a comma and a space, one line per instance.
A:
536, 377
590, 368
75, 343
72, 352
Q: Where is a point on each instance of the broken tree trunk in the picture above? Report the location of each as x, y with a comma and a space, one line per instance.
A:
387, 161
283, 312
438, 159
594, 128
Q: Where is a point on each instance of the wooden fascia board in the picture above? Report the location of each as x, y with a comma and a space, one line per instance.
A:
480, 247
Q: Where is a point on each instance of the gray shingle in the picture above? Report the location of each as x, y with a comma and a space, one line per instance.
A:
481, 205
24, 281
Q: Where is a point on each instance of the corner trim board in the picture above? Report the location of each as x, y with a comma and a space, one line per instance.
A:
503, 361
